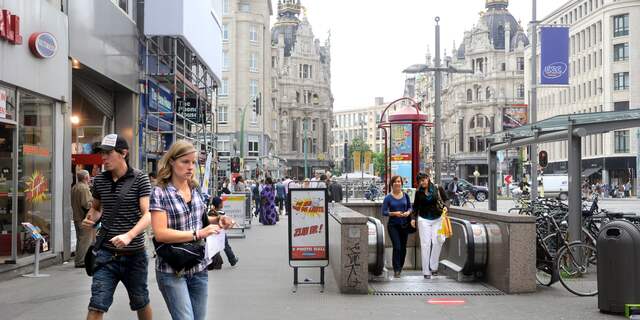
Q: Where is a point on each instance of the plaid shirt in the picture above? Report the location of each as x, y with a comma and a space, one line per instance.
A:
179, 217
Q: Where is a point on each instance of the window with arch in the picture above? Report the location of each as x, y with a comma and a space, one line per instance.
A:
488, 93
469, 95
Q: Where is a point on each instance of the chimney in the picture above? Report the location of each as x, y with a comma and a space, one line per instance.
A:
379, 101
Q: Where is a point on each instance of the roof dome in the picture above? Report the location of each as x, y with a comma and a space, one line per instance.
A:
497, 18
287, 24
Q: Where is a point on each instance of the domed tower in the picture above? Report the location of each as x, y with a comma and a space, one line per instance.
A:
498, 19
287, 24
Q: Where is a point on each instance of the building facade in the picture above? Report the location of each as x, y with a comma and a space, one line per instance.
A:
301, 71
244, 130
353, 123
490, 99
601, 78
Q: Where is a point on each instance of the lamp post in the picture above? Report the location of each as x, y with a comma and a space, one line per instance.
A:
304, 126
533, 99
362, 123
437, 70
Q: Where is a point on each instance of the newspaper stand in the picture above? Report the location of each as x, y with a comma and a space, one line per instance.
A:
35, 234
235, 207
308, 232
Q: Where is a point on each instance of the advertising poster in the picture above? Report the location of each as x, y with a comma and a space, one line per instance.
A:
3, 104
308, 234
554, 55
234, 207
514, 116
401, 144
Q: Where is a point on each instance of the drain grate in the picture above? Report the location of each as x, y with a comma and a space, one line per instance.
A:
438, 286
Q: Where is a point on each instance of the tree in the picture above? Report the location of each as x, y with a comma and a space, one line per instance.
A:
379, 164
357, 144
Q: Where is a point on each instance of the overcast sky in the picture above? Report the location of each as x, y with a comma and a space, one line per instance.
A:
372, 41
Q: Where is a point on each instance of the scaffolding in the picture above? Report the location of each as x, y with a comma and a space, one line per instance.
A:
173, 72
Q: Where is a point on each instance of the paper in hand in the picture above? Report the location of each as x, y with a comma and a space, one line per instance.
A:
215, 244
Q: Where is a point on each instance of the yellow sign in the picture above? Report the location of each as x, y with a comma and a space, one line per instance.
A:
367, 160
356, 161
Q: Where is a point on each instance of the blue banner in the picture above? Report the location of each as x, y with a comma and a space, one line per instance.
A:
554, 66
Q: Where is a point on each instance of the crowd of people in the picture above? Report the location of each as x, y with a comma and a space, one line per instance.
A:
603, 190
114, 210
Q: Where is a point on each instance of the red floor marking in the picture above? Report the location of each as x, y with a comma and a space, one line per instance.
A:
446, 301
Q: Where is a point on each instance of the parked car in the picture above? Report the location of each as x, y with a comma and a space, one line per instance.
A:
479, 192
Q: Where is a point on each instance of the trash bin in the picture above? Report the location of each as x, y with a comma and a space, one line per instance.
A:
618, 265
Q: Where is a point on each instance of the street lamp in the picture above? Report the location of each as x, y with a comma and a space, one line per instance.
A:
362, 123
476, 175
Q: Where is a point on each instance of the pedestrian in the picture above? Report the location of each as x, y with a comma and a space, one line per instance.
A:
427, 211
80, 204
216, 211
121, 204
322, 182
280, 195
239, 185
225, 187
179, 216
397, 207
268, 213
255, 192
627, 189
287, 181
336, 190
306, 184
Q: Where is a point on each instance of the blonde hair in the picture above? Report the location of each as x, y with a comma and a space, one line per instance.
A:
177, 150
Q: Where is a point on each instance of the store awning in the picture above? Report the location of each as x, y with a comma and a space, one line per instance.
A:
590, 171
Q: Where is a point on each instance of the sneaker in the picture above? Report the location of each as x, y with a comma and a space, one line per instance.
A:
396, 274
427, 276
234, 262
434, 273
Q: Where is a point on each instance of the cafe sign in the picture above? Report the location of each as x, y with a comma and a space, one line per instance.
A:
43, 45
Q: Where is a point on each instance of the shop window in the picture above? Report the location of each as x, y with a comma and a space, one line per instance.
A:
35, 165
7, 103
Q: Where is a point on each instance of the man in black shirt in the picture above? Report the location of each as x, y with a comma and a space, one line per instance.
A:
124, 216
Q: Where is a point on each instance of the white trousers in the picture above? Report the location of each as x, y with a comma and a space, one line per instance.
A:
429, 245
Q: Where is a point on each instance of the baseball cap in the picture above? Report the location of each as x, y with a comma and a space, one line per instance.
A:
113, 141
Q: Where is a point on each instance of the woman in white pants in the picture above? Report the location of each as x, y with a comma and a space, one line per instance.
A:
427, 209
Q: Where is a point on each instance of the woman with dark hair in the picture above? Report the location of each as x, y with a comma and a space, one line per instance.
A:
397, 207
427, 209
216, 211
268, 212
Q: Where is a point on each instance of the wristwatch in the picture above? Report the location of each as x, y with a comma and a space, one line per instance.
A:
195, 236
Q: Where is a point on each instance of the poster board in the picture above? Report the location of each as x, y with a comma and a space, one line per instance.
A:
308, 227
235, 207
401, 153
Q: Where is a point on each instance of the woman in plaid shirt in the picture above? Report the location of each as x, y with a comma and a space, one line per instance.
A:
177, 210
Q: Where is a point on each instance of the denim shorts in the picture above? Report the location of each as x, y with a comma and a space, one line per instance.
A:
111, 269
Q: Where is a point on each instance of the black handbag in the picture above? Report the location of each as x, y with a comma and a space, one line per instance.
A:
182, 256
90, 266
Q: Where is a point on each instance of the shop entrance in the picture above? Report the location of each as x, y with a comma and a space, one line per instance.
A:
8, 204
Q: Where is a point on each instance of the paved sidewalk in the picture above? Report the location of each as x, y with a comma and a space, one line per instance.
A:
260, 288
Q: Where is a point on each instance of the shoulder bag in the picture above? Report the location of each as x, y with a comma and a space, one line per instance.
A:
407, 226
90, 265
182, 256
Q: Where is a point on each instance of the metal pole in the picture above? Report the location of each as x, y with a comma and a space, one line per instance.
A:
637, 165
304, 125
533, 99
438, 107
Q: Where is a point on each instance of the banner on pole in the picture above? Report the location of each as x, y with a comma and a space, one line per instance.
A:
554, 55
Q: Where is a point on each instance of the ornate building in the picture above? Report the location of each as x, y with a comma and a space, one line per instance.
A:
301, 91
491, 99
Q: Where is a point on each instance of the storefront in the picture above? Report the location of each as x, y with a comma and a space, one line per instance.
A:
34, 87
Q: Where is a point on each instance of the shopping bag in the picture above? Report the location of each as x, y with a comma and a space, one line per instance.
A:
445, 230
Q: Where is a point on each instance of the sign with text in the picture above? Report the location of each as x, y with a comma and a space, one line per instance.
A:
554, 56
235, 206
3, 104
189, 109
308, 232
401, 152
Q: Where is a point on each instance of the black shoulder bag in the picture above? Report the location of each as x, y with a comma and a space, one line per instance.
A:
408, 227
182, 256
90, 265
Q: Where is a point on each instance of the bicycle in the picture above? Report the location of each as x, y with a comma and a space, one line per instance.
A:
462, 200
573, 264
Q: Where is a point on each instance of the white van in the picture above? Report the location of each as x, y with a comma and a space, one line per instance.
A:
555, 186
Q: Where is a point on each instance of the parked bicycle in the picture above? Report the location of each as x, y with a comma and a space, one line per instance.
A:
573, 264
462, 199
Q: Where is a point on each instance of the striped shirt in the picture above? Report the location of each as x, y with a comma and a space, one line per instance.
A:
107, 192
180, 216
